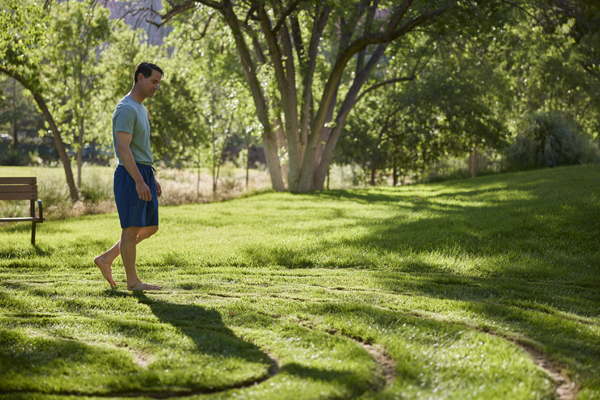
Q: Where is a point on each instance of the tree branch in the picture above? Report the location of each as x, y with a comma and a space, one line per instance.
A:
368, 23
297, 37
380, 38
286, 13
249, 14
206, 25
188, 5
388, 82
422, 18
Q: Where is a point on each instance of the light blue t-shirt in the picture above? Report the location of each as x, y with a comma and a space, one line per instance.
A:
132, 117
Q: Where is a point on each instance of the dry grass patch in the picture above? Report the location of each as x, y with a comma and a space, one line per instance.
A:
96, 194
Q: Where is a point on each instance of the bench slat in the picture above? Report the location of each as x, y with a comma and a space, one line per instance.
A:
22, 189
18, 181
18, 196
18, 188
22, 219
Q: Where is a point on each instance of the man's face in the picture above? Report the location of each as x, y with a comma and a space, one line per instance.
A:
149, 85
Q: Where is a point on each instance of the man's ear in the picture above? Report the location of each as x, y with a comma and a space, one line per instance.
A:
139, 77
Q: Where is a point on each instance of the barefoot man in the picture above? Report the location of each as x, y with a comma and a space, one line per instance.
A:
136, 189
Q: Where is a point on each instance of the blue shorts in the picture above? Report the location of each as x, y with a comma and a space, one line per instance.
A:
134, 212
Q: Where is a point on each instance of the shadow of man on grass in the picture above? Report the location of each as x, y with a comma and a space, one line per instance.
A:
211, 336
240, 362
206, 328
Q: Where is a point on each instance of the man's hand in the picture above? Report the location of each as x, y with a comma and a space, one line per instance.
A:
143, 191
158, 188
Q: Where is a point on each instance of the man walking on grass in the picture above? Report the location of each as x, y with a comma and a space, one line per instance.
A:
136, 188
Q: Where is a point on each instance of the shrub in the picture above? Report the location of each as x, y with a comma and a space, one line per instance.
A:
549, 141
13, 157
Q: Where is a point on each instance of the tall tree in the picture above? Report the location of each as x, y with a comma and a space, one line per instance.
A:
72, 65
454, 107
23, 30
311, 47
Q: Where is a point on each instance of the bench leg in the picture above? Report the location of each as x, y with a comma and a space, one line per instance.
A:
33, 233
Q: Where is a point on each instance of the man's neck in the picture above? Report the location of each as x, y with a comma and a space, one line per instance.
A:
136, 94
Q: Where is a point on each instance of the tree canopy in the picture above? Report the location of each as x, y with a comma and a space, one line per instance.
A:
388, 85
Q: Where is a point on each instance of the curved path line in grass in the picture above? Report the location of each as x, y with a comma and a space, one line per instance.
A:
379, 354
273, 370
565, 388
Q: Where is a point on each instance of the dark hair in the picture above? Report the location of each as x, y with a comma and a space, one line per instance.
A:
146, 69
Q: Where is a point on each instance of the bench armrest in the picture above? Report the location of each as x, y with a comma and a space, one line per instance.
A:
41, 209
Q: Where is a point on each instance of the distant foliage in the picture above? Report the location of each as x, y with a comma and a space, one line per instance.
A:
12, 157
550, 141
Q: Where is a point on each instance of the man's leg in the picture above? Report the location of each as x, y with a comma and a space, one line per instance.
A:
104, 261
128, 254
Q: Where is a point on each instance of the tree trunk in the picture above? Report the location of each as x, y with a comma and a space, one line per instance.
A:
373, 172
214, 162
60, 147
80, 154
347, 105
282, 149
395, 173
79, 162
307, 64
268, 137
247, 166
247, 169
285, 75
15, 124
198, 183
15, 143
474, 162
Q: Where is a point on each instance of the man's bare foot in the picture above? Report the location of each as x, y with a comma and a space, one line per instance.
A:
106, 270
143, 286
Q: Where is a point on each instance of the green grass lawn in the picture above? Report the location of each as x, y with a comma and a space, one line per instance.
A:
439, 291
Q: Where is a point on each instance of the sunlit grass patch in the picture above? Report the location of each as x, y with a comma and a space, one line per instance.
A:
274, 296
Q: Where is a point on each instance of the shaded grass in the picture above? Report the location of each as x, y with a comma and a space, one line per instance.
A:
423, 271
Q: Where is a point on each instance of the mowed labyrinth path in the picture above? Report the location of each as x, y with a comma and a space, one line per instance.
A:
486, 288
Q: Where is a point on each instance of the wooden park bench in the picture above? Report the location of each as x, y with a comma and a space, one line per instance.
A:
22, 189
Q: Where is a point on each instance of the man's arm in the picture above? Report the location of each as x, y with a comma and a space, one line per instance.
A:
123, 141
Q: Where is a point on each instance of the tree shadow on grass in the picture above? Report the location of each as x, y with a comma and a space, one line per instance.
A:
534, 244
529, 227
17, 253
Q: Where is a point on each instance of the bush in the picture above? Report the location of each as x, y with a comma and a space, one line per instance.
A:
549, 141
13, 157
